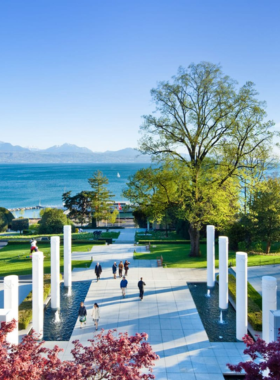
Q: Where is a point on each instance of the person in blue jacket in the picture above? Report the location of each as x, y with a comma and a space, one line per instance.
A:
114, 270
123, 284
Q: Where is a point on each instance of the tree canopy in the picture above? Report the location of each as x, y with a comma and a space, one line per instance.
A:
79, 206
6, 218
52, 221
165, 192
216, 130
106, 356
265, 211
101, 197
265, 357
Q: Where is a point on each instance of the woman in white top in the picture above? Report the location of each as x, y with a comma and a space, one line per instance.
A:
95, 315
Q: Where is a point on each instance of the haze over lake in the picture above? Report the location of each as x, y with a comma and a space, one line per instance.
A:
25, 185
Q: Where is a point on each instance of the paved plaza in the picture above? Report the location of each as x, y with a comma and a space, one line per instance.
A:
167, 313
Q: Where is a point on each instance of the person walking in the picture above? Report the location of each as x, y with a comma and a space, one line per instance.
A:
33, 246
114, 270
120, 268
141, 285
95, 313
126, 267
123, 285
82, 314
98, 270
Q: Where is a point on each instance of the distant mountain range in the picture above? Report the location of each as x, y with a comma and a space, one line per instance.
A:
67, 153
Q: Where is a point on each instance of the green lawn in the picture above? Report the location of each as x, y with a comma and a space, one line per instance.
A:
177, 256
13, 258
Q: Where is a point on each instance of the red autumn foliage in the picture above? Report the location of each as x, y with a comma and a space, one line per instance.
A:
107, 357
265, 357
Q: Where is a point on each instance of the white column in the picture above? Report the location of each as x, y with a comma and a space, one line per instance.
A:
38, 293
210, 234
223, 272
148, 225
67, 256
7, 315
55, 272
269, 302
11, 299
241, 295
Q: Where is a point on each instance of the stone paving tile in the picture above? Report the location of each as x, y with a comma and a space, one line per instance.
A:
167, 313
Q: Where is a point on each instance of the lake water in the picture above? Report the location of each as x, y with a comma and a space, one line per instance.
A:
26, 185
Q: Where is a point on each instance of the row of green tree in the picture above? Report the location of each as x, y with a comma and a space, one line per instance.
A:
211, 145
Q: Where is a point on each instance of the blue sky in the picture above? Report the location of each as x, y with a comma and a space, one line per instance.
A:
81, 71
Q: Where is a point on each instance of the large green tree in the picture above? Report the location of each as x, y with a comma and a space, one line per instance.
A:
79, 206
101, 197
166, 192
205, 122
265, 212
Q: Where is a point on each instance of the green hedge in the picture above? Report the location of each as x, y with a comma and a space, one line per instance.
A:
102, 241
254, 303
25, 308
164, 241
102, 228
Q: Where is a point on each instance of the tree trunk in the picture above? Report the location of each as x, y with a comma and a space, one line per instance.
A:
268, 246
194, 238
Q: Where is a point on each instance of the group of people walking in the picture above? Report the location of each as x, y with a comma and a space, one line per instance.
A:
95, 313
141, 285
122, 266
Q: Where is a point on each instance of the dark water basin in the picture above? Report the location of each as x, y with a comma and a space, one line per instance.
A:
68, 313
208, 309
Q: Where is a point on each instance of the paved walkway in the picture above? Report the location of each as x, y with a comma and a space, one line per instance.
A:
167, 313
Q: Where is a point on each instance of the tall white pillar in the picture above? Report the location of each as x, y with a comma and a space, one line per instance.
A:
55, 272
241, 295
223, 272
148, 224
269, 302
67, 256
210, 234
38, 293
7, 315
11, 300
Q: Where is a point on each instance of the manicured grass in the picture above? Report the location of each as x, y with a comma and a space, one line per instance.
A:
177, 256
13, 258
157, 235
25, 308
254, 303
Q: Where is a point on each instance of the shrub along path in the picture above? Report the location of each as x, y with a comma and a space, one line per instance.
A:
177, 256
